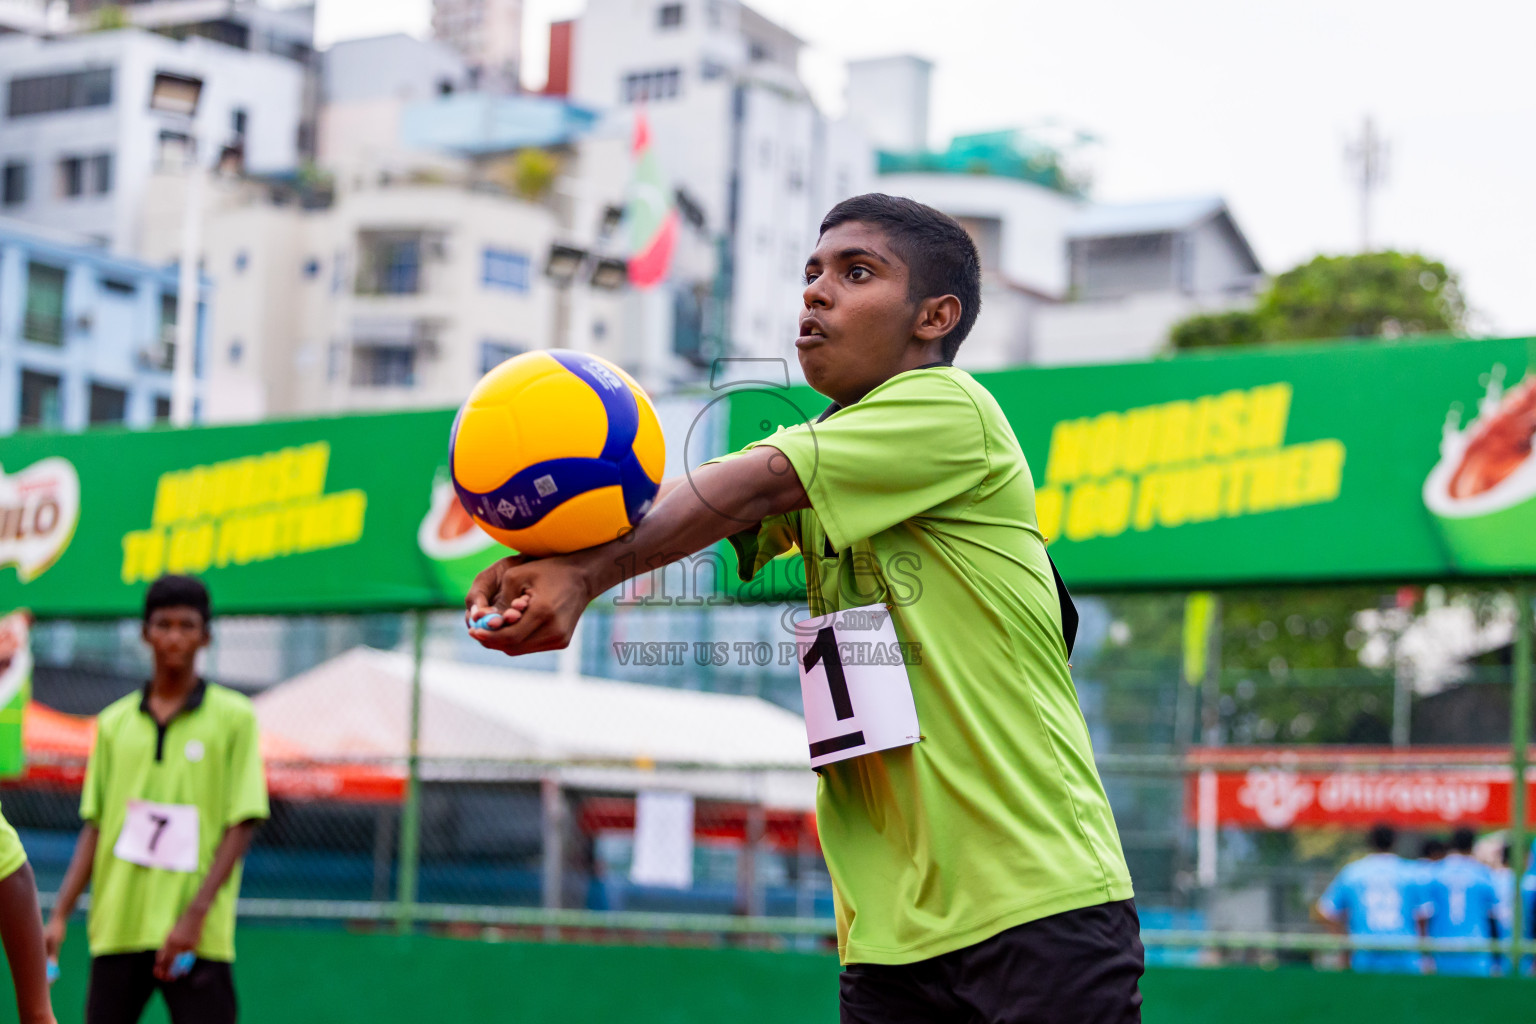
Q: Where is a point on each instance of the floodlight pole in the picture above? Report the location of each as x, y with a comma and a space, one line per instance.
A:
1520, 736
184, 359
410, 812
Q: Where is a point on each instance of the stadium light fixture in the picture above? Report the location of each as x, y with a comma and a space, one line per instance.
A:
564, 263
609, 273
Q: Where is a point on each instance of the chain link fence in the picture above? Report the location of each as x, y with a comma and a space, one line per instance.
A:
529, 805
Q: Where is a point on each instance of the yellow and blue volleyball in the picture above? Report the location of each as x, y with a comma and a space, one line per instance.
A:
555, 452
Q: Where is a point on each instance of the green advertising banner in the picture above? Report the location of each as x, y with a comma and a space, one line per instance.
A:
1375, 461
344, 514
1322, 463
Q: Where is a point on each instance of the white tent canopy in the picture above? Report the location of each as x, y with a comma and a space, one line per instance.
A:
479, 722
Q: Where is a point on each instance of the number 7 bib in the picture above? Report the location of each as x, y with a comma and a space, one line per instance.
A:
856, 701
163, 836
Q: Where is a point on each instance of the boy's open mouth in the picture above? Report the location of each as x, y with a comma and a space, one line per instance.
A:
811, 328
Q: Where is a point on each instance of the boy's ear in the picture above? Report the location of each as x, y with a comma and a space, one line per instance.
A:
937, 315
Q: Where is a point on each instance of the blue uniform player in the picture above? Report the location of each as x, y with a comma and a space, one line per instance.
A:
1463, 903
1378, 896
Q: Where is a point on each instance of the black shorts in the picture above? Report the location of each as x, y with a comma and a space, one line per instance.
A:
1080, 967
121, 984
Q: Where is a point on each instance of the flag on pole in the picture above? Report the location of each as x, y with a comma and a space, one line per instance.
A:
649, 213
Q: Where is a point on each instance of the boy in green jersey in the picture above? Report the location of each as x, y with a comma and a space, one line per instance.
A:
976, 867
174, 791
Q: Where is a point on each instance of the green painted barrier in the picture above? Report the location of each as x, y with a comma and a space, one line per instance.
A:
328, 976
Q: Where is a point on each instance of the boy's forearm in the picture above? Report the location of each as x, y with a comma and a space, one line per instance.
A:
234, 845
715, 502
78, 875
21, 931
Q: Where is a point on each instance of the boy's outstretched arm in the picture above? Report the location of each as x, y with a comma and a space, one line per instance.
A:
76, 878
188, 931
538, 601
21, 929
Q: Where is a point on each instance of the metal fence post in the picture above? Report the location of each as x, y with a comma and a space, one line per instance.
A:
1520, 736
552, 799
410, 813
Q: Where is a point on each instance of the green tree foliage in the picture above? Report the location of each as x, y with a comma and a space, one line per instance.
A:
1379, 294
109, 19
531, 174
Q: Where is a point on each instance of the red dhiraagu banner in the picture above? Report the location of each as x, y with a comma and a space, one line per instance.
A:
1355, 787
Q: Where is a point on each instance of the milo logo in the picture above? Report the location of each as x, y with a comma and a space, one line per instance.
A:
39, 509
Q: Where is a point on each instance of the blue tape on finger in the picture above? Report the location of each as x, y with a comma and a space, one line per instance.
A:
53, 971
484, 621
182, 965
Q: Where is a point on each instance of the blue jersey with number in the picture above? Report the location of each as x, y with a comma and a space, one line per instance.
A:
1377, 896
1463, 903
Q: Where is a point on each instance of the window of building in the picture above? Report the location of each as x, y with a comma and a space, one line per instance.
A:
504, 269
101, 173
40, 405
117, 286
167, 347
108, 404
176, 150
72, 90
237, 122
162, 408
669, 15
44, 318
390, 264
311, 268
383, 366
236, 352
14, 191
72, 176
642, 86
242, 260
494, 353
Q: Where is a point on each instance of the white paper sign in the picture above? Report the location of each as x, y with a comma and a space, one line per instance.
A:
163, 836
856, 701
663, 840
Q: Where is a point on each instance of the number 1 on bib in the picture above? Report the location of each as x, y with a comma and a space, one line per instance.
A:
855, 703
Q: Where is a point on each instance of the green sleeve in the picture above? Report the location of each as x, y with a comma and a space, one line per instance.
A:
247, 774
757, 547
91, 792
12, 856
904, 449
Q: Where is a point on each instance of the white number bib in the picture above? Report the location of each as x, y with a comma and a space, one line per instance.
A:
856, 701
161, 836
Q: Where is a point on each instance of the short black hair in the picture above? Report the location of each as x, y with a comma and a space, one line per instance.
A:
1383, 838
940, 256
1463, 839
1432, 849
178, 592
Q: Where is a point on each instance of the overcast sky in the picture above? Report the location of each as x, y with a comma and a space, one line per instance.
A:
1186, 97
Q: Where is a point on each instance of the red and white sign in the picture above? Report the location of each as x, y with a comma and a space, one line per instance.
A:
1271, 789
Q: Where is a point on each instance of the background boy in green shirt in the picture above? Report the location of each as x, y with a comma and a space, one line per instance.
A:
977, 871
174, 790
